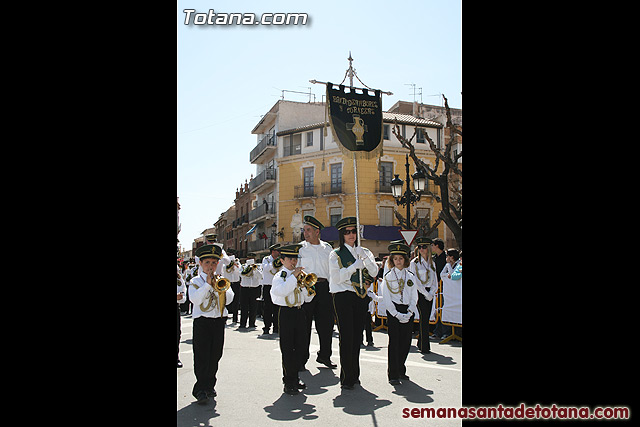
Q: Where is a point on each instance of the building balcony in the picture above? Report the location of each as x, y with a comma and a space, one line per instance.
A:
262, 212
302, 191
333, 187
265, 178
265, 146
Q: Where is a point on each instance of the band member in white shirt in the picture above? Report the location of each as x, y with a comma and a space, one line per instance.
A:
251, 279
231, 272
349, 297
209, 318
423, 267
289, 296
182, 294
268, 271
400, 294
314, 257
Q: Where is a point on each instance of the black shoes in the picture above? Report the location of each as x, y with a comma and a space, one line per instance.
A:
394, 382
347, 386
326, 362
291, 390
202, 397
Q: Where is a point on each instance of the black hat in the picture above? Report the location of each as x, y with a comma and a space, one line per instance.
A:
349, 221
208, 251
290, 250
423, 240
210, 237
312, 221
398, 248
275, 247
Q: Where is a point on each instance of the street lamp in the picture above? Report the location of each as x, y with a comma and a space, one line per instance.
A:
409, 197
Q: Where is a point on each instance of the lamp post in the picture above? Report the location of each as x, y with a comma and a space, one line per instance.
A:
409, 197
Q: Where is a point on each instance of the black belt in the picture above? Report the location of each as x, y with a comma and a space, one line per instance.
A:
298, 307
322, 279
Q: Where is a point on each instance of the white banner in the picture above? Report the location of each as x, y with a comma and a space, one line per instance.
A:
452, 293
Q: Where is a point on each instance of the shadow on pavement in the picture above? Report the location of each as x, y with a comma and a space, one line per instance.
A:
196, 415
359, 401
289, 408
413, 392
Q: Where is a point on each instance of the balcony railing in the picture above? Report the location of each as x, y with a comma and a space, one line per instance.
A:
265, 175
333, 187
266, 142
301, 191
261, 211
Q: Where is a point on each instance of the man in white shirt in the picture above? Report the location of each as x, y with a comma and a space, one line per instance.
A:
251, 279
268, 271
209, 318
314, 257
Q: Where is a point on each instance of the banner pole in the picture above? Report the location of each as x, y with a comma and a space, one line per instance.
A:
355, 176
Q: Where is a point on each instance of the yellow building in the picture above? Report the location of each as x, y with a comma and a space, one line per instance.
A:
300, 171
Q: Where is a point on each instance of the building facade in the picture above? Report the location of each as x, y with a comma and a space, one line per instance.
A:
301, 171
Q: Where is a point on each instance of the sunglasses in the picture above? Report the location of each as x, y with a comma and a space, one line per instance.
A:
349, 231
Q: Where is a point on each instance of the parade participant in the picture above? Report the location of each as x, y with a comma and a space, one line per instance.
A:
453, 262
181, 299
231, 272
289, 296
209, 318
251, 278
423, 267
349, 297
440, 260
314, 257
400, 293
268, 271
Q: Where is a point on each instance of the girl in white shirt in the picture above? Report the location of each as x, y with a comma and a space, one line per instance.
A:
423, 267
400, 294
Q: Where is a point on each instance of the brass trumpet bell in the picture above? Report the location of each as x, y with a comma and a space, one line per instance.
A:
307, 280
220, 286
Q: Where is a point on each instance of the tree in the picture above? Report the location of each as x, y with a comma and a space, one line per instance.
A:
448, 179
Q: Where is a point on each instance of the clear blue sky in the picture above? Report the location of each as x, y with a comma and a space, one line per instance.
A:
228, 76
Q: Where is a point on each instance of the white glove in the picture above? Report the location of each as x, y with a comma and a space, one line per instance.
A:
360, 252
403, 318
356, 265
429, 296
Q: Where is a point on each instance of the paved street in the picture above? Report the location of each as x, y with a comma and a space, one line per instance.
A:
250, 386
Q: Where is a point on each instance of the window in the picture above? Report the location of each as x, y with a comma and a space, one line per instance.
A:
309, 139
420, 136
386, 215
386, 175
424, 217
336, 178
438, 136
321, 139
386, 132
336, 215
308, 181
292, 145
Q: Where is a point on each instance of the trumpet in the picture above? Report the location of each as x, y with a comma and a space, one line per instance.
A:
220, 286
248, 270
307, 280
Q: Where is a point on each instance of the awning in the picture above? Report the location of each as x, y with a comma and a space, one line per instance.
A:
252, 230
371, 232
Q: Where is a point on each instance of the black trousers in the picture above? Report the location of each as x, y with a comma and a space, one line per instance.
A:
350, 312
208, 340
320, 308
248, 305
178, 349
399, 343
424, 308
291, 324
235, 304
268, 310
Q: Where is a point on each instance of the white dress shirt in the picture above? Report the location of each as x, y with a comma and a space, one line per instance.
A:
408, 296
253, 280
203, 294
420, 269
267, 266
282, 289
340, 278
234, 275
315, 258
